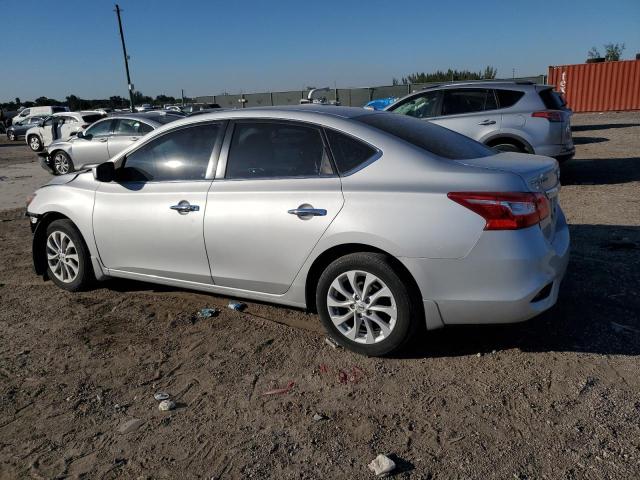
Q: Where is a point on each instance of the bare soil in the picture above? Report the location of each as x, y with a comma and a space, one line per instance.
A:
556, 397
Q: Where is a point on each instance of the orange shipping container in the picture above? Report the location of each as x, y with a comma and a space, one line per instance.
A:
599, 87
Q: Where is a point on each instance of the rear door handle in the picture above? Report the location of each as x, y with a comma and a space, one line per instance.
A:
102, 140
487, 122
133, 139
308, 212
183, 207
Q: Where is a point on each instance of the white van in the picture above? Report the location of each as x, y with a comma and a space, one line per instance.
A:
40, 111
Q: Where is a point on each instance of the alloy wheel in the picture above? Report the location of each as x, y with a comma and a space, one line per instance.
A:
61, 163
34, 143
62, 256
362, 307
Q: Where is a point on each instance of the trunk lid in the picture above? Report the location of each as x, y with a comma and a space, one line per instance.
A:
540, 174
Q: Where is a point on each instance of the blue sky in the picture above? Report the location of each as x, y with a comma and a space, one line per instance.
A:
208, 47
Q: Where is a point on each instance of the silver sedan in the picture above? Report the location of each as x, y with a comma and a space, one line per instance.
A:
381, 223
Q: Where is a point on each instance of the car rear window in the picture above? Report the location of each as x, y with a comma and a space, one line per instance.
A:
552, 100
94, 117
428, 136
164, 119
508, 98
348, 152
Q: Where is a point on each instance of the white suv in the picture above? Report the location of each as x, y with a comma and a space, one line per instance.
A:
60, 126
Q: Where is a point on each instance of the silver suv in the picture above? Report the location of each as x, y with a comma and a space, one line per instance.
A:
510, 116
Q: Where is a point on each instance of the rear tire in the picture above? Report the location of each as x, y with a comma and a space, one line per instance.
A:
364, 305
34, 143
67, 256
508, 147
62, 163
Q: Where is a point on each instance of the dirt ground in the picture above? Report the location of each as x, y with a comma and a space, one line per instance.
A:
556, 397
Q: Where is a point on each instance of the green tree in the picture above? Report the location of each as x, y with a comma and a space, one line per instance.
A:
613, 51
449, 76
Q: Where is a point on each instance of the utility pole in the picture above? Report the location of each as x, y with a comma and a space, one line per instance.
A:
126, 59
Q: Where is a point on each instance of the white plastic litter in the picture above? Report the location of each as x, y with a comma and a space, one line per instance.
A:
381, 465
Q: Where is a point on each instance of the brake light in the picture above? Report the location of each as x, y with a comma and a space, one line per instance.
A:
505, 210
551, 115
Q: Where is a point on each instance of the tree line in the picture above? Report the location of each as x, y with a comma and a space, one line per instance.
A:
450, 75
76, 103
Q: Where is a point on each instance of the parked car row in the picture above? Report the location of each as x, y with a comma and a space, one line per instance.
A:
382, 223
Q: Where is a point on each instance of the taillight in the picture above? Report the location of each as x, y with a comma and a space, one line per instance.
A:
505, 210
551, 115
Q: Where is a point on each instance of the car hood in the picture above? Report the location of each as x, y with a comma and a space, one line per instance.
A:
538, 172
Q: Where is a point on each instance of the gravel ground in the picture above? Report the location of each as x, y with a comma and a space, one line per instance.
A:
555, 398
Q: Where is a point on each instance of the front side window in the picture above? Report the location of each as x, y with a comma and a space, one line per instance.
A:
468, 100
348, 152
99, 129
424, 105
25, 112
131, 127
276, 150
178, 155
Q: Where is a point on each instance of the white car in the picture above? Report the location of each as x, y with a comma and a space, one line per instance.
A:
60, 126
40, 111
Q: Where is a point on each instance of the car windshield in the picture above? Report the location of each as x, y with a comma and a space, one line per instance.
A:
428, 136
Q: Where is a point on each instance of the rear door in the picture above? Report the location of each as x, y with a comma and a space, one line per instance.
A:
125, 132
469, 111
274, 195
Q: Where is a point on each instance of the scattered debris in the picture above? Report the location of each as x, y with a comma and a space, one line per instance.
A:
478, 354
381, 465
166, 405
237, 306
331, 342
3, 178
619, 327
130, 426
323, 368
278, 391
317, 417
353, 376
160, 396
208, 312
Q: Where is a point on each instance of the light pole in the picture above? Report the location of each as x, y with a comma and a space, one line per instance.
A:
126, 58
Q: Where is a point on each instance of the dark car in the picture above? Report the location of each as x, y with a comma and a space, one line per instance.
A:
19, 129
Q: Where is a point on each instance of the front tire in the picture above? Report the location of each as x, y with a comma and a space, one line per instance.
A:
62, 163
364, 305
35, 143
68, 260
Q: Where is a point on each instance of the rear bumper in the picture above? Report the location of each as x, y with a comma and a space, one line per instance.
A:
559, 152
508, 277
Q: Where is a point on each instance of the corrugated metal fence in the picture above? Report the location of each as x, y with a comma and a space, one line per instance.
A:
599, 87
352, 97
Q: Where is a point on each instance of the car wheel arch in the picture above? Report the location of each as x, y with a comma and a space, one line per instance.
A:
333, 253
40, 236
511, 139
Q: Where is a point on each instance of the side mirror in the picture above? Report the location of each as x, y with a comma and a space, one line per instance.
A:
105, 172
79, 134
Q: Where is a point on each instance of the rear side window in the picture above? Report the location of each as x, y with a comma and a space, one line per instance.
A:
433, 138
348, 152
467, 100
179, 155
508, 98
552, 100
276, 150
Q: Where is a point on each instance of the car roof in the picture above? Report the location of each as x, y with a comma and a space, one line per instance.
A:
312, 108
147, 116
488, 84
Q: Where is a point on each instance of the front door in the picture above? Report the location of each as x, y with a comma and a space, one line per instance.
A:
272, 200
149, 221
91, 147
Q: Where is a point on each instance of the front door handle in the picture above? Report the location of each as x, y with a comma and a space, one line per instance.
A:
307, 211
183, 207
133, 139
487, 122
102, 140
